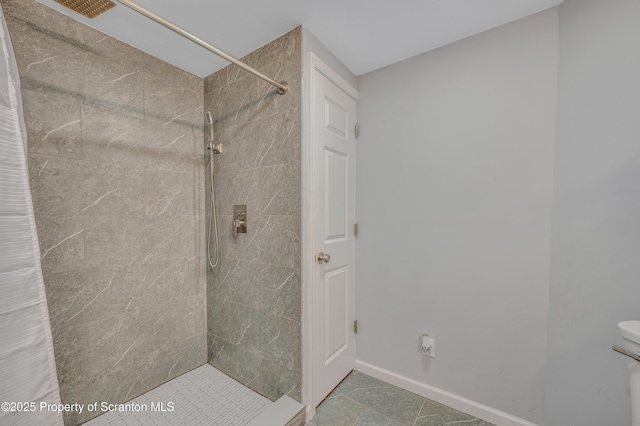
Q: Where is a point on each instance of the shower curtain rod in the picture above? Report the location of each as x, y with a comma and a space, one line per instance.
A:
282, 86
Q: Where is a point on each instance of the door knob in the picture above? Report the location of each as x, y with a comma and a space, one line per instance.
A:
323, 258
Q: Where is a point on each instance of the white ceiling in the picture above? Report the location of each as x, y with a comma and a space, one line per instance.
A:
364, 34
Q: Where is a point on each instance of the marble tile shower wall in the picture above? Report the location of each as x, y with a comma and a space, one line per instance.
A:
254, 295
116, 165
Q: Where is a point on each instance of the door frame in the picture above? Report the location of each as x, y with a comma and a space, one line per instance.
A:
311, 65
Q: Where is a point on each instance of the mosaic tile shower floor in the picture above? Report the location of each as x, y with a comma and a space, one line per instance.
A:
204, 396
361, 400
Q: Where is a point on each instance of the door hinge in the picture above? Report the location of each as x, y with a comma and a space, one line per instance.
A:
355, 230
355, 326
357, 130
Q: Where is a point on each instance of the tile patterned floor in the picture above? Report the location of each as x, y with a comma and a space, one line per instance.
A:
361, 400
204, 396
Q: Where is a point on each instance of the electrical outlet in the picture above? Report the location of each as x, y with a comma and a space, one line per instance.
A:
428, 346
431, 352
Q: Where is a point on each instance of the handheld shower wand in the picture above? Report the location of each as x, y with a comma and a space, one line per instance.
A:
213, 149
216, 148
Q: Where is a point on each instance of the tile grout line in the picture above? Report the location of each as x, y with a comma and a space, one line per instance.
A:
357, 402
419, 411
424, 401
356, 422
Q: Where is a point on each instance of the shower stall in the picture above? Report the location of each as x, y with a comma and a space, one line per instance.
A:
119, 174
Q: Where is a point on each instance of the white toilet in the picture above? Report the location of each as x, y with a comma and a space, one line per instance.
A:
630, 330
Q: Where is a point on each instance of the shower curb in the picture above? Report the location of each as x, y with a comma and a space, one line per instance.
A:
284, 412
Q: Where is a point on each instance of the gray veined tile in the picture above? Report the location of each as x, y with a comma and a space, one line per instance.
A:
165, 75
218, 317
358, 380
139, 240
289, 71
265, 236
272, 338
215, 81
199, 242
373, 418
259, 279
119, 88
237, 188
172, 95
225, 104
62, 186
234, 73
434, 414
273, 381
109, 136
57, 134
95, 359
102, 333
174, 279
109, 296
338, 411
200, 314
30, 10
166, 363
279, 50
261, 142
217, 287
281, 235
241, 283
238, 154
238, 103
49, 61
37, 40
61, 243
51, 22
173, 193
279, 191
282, 143
51, 47
169, 321
238, 363
280, 290
134, 366
382, 397
215, 345
245, 246
90, 294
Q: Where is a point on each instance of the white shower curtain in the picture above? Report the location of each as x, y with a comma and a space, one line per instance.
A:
28, 380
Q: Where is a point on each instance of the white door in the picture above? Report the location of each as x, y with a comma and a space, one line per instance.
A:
333, 119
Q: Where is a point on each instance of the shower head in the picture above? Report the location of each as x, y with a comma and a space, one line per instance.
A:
209, 119
88, 8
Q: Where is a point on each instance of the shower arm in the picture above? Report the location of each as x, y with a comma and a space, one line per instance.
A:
282, 86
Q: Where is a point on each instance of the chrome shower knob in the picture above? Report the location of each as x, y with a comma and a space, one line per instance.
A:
323, 258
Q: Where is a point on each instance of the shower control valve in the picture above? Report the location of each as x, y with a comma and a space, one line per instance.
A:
239, 225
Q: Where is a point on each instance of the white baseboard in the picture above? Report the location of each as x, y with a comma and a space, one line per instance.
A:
443, 397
